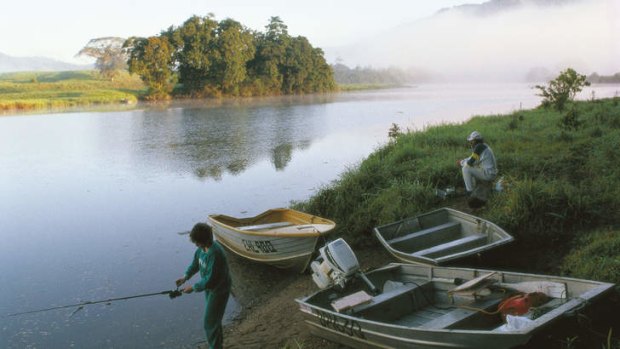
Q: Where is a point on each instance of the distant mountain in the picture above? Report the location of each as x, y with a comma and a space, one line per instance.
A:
493, 7
498, 40
15, 64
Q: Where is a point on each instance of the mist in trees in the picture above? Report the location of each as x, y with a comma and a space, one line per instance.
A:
206, 57
109, 55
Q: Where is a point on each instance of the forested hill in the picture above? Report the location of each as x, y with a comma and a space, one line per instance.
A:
496, 6
15, 64
205, 57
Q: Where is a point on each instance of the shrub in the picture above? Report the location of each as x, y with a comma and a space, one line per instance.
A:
562, 89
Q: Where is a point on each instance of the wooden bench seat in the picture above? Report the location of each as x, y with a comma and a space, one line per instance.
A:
454, 246
426, 237
265, 226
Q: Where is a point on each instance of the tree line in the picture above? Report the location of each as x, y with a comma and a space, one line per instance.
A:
205, 57
368, 75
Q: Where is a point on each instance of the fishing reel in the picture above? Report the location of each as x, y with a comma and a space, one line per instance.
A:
174, 294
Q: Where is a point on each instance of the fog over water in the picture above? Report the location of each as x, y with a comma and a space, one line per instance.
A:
502, 42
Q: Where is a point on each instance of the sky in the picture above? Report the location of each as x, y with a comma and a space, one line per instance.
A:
532, 42
59, 29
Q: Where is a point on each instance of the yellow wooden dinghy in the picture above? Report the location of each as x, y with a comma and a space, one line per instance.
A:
282, 237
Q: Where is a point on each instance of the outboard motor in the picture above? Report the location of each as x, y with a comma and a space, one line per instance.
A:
336, 265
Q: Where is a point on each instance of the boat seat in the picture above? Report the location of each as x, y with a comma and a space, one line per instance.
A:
426, 237
458, 315
454, 246
394, 303
265, 226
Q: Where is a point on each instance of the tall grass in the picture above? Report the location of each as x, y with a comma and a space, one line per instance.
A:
560, 183
52, 90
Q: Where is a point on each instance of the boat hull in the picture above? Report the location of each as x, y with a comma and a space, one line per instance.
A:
283, 238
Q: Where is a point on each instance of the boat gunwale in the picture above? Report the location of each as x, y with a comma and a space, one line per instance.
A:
214, 219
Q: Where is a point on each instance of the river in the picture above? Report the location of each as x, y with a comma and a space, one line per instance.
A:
93, 201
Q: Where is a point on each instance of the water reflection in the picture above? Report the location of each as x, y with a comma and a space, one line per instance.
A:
211, 142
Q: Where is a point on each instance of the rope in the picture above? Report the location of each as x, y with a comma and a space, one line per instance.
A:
171, 293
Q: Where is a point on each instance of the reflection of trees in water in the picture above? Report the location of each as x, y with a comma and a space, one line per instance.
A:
212, 141
282, 155
214, 172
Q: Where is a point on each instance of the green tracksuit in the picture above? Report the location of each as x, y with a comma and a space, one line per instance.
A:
215, 282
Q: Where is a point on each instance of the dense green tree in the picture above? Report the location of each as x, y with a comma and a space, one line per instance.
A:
234, 47
270, 54
297, 64
321, 74
214, 58
195, 51
562, 89
151, 58
110, 58
304, 69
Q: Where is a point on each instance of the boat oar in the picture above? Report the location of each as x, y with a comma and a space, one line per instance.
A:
171, 293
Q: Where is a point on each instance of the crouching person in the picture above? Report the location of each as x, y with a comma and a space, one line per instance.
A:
479, 170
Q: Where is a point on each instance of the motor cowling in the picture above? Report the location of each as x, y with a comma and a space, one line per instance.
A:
335, 265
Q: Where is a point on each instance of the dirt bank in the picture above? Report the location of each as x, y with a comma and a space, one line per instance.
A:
270, 318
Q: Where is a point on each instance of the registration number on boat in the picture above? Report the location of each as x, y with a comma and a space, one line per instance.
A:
259, 246
342, 325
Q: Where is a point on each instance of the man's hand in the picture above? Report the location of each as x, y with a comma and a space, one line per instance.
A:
188, 289
180, 281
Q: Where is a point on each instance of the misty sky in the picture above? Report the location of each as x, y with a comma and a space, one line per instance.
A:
508, 45
60, 28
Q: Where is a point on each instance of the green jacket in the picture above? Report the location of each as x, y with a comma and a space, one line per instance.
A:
213, 267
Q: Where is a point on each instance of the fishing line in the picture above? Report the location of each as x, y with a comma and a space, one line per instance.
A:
171, 294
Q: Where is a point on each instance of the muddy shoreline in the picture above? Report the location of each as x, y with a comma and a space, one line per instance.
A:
270, 317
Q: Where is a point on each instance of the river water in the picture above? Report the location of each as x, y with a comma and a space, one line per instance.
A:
92, 202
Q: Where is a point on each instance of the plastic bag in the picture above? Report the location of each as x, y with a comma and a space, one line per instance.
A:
515, 323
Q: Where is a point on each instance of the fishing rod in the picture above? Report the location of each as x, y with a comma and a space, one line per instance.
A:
171, 293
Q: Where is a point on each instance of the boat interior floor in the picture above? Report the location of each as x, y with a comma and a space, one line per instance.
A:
414, 305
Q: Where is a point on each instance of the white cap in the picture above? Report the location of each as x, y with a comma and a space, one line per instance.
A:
474, 135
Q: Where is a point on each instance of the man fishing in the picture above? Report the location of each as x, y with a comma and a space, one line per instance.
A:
215, 281
480, 166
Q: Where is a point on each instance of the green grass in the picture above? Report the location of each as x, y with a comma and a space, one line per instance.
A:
57, 90
559, 184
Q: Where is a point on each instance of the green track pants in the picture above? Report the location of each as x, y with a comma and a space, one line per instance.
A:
214, 313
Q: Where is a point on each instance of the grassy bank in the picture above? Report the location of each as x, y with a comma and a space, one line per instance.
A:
29, 91
57, 90
562, 196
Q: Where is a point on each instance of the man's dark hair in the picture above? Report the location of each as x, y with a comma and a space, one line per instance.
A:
202, 234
